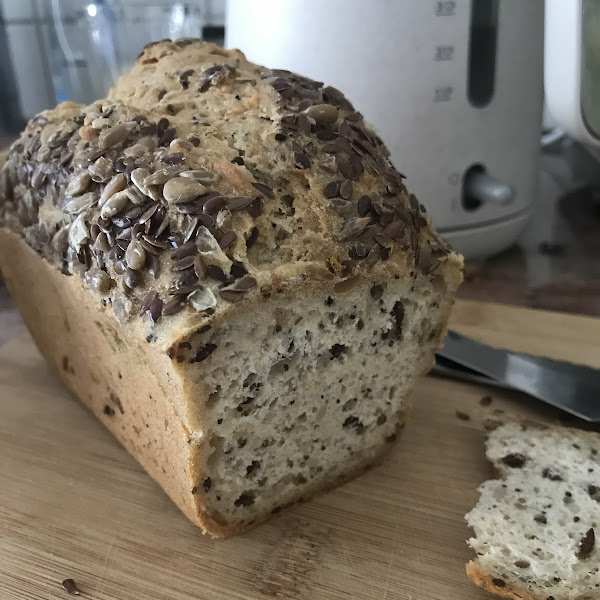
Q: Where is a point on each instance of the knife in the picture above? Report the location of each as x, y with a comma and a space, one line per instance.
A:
572, 388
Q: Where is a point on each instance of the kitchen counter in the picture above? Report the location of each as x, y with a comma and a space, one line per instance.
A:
554, 266
556, 263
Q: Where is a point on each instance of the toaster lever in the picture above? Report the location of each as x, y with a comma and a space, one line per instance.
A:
481, 187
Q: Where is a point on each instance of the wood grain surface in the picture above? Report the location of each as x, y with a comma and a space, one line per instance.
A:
74, 504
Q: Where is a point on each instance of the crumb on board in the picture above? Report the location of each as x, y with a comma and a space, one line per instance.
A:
70, 586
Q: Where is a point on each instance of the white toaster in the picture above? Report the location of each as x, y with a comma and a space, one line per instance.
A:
454, 87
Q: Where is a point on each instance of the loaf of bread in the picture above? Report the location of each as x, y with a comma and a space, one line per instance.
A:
536, 526
224, 266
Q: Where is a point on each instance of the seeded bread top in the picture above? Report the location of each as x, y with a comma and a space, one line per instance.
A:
204, 180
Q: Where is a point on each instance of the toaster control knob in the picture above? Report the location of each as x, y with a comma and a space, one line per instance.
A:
479, 187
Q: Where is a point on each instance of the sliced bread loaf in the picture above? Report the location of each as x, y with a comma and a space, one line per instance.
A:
224, 266
535, 527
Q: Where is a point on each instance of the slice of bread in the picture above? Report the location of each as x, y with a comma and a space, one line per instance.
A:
535, 527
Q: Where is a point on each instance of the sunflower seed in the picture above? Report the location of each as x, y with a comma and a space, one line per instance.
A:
78, 184
117, 184
113, 136
345, 130
116, 253
101, 170
202, 299
135, 256
182, 189
322, 113
187, 279
135, 150
114, 205
100, 123
210, 250
138, 178
78, 233
216, 232
352, 228
223, 220
181, 143
78, 205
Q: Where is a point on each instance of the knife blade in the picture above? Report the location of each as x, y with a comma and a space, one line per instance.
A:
570, 387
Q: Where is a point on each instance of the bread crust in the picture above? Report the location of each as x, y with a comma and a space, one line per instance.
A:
483, 580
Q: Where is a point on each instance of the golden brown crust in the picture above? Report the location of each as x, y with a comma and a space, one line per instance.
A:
482, 579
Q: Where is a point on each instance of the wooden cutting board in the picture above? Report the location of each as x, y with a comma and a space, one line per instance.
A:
74, 504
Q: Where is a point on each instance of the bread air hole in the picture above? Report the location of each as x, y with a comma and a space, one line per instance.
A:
522, 564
